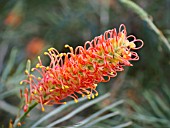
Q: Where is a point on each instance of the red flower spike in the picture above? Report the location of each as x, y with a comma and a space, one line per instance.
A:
80, 70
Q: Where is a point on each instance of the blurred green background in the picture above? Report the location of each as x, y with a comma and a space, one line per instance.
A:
29, 27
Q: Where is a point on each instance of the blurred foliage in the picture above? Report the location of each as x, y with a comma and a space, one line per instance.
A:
28, 27
152, 110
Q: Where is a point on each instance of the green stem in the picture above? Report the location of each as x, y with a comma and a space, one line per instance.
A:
144, 16
24, 115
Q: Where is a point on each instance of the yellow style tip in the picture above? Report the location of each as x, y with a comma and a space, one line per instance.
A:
92, 96
40, 88
111, 73
51, 75
132, 45
39, 57
47, 68
37, 65
31, 75
66, 86
51, 90
41, 66
66, 46
50, 49
95, 85
88, 97
61, 54
35, 91
45, 53
97, 94
76, 101
43, 109
21, 82
26, 72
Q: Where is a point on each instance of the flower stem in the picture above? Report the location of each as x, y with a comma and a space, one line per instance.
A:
24, 115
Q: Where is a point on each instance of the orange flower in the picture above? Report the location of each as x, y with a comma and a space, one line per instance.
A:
13, 19
34, 47
80, 70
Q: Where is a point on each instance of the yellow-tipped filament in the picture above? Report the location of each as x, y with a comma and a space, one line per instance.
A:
75, 100
37, 66
92, 96
32, 69
43, 109
40, 88
45, 53
96, 94
26, 72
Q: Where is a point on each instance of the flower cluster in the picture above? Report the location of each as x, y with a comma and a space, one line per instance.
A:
80, 70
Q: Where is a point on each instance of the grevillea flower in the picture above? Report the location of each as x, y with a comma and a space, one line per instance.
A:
80, 70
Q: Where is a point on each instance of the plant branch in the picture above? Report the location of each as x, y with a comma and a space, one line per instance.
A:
24, 115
